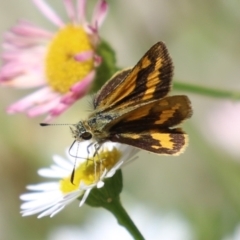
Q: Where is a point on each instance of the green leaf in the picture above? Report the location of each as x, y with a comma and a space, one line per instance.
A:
107, 68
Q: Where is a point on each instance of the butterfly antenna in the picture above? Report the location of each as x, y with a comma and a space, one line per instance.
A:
49, 124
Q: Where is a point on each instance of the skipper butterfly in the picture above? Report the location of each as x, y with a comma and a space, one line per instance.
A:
133, 108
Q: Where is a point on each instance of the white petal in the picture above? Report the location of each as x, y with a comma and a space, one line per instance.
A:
57, 211
60, 161
50, 210
84, 197
38, 209
49, 186
49, 173
38, 199
100, 184
70, 198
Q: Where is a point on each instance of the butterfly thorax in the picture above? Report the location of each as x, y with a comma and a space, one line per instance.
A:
97, 124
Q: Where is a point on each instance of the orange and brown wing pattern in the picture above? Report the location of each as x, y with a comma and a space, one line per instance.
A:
160, 114
109, 86
150, 79
160, 141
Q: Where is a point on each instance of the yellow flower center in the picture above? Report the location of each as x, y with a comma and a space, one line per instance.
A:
62, 69
91, 171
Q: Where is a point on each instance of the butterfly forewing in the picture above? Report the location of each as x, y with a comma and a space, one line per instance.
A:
149, 79
109, 87
162, 114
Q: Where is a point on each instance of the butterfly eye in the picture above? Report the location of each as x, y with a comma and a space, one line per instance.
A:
86, 136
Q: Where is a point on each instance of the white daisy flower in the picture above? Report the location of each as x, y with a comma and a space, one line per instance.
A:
51, 197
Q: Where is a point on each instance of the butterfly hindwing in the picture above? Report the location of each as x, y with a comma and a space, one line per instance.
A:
160, 141
149, 79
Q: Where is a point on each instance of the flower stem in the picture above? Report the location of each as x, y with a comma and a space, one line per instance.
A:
116, 208
212, 92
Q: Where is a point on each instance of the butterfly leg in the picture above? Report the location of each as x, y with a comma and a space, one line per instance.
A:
97, 146
73, 171
88, 147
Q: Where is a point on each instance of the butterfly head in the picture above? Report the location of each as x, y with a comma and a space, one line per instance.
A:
80, 132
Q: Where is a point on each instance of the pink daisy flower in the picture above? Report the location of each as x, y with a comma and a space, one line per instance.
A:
61, 64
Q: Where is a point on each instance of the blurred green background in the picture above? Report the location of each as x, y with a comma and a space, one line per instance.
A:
201, 187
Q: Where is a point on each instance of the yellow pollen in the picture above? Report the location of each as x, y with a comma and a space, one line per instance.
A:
62, 70
91, 171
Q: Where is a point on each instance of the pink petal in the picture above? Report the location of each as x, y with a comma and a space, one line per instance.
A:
56, 112
79, 89
84, 56
8, 47
83, 85
70, 98
49, 12
25, 63
97, 60
9, 71
81, 11
35, 98
29, 80
70, 10
10, 56
44, 108
89, 29
29, 30
20, 41
99, 13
